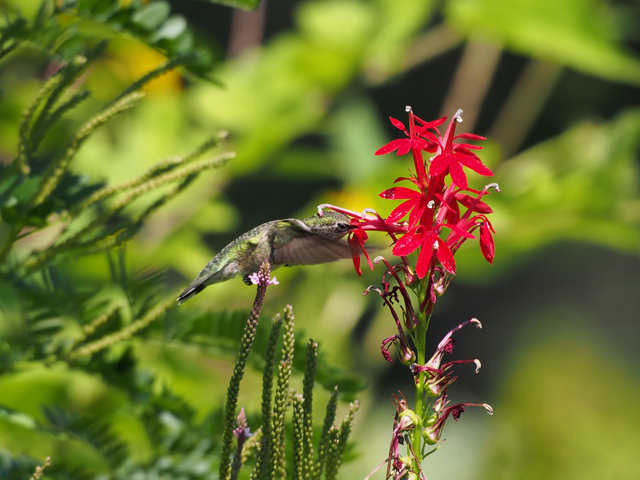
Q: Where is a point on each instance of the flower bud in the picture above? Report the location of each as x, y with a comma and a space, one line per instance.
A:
408, 420
407, 355
410, 464
430, 420
427, 435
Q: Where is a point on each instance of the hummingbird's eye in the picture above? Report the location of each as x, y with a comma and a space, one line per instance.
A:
343, 226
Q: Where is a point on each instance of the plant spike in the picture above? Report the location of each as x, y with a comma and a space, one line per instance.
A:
266, 452
282, 394
238, 372
40, 128
324, 444
40, 469
308, 382
298, 461
25, 126
341, 442
332, 462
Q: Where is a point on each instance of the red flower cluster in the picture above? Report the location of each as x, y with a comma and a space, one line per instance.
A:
432, 205
439, 199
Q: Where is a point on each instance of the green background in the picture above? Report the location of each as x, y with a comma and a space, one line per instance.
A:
306, 110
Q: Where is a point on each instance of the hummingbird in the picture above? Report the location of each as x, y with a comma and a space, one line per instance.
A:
288, 242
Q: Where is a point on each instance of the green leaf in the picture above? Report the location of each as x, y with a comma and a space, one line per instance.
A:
171, 29
75, 45
103, 9
26, 190
7, 200
242, 4
152, 15
580, 34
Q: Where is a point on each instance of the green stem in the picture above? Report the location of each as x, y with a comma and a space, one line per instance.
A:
420, 342
420, 346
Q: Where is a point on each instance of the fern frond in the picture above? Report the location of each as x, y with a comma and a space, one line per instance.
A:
152, 172
59, 165
151, 316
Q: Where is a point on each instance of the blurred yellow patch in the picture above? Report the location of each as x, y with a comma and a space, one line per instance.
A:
126, 3
136, 60
353, 199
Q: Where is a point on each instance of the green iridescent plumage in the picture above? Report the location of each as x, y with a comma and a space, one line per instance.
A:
286, 242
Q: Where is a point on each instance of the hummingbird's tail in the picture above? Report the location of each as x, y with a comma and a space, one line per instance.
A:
189, 292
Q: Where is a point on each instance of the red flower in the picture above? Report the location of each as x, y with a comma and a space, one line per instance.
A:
435, 423
357, 239
453, 156
455, 239
416, 203
438, 377
414, 143
402, 145
428, 241
486, 240
360, 222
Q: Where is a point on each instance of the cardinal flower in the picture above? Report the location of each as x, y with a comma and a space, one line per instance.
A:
357, 239
452, 156
416, 203
429, 242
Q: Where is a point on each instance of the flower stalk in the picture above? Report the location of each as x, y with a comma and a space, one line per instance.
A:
263, 280
437, 214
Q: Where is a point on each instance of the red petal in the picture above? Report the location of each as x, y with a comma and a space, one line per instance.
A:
467, 201
432, 147
439, 165
464, 151
431, 124
474, 165
457, 174
407, 244
443, 202
411, 179
470, 136
460, 231
405, 147
459, 146
355, 254
419, 143
446, 257
366, 254
401, 210
487, 246
416, 214
391, 146
397, 123
453, 215
424, 259
399, 193
430, 136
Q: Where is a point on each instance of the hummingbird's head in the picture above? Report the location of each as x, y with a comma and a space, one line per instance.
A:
331, 225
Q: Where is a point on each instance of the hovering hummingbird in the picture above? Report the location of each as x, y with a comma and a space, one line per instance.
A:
283, 242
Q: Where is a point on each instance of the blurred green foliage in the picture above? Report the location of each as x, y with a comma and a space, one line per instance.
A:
303, 113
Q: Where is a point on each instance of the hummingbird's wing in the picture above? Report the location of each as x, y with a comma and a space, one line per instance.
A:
310, 250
